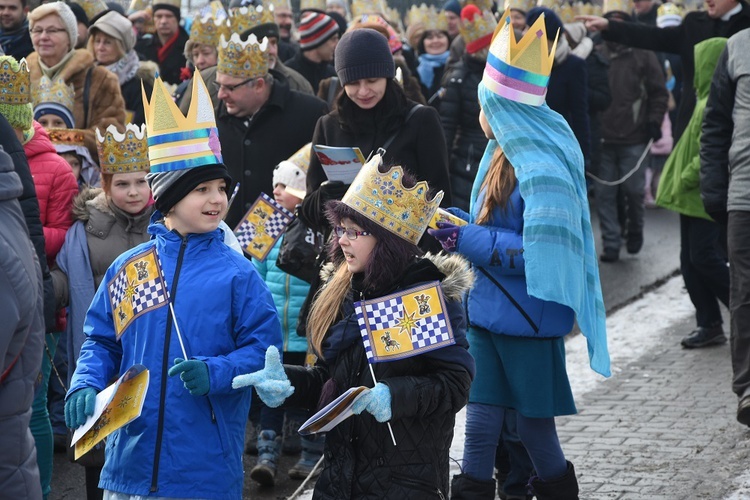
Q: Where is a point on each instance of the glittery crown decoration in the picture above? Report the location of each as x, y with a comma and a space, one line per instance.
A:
245, 18
625, 6
382, 198
362, 7
670, 9
92, 8
520, 71
431, 18
176, 141
248, 59
477, 32
123, 153
313, 5
15, 86
66, 136
482, 4
57, 91
207, 31
522, 5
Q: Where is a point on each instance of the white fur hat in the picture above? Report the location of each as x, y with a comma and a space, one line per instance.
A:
61, 10
291, 176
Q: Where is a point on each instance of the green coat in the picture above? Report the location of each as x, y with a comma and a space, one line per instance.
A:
679, 187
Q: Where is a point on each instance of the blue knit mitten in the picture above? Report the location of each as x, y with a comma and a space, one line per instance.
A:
377, 402
271, 383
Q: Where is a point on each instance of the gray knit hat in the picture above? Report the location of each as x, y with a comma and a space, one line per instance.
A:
363, 53
61, 10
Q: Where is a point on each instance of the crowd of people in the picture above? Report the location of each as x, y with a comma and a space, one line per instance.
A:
134, 142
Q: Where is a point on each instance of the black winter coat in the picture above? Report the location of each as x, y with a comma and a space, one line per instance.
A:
253, 146
459, 113
426, 393
695, 28
30, 208
148, 49
133, 97
312, 71
567, 93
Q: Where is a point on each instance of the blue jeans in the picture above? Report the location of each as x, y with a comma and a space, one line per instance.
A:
39, 424
512, 460
616, 162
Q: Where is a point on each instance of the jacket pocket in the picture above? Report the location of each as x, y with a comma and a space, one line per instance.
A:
411, 483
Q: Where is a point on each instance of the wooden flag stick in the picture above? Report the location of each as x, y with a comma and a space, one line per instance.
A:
372, 372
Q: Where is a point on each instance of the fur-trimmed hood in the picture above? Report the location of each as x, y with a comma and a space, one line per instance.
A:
86, 200
459, 277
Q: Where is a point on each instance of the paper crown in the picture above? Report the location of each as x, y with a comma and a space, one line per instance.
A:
313, 5
522, 5
382, 198
566, 12
15, 86
123, 153
207, 31
92, 8
71, 140
245, 18
243, 59
625, 6
362, 7
176, 141
302, 157
520, 71
670, 9
56, 91
429, 17
66, 136
477, 31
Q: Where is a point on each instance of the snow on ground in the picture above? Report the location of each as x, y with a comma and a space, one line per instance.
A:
631, 332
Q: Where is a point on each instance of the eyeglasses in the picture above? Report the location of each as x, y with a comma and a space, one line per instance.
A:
230, 88
49, 31
351, 234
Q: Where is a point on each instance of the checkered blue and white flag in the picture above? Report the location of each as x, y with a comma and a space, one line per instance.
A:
262, 226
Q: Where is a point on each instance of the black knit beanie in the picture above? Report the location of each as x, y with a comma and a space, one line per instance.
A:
363, 53
168, 192
165, 6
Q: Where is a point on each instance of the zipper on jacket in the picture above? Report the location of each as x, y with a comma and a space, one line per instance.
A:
164, 369
287, 299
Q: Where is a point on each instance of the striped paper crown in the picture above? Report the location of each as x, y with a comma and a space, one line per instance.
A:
178, 142
362, 7
123, 153
207, 31
319, 5
382, 198
57, 91
243, 59
429, 17
519, 71
477, 32
15, 86
625, 6
522, 5
245, 18
66, 136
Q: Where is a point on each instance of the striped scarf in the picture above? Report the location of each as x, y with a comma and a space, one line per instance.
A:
561, 263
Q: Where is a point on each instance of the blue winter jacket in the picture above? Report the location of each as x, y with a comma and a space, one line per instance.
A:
288, 294
181, 445
497, 248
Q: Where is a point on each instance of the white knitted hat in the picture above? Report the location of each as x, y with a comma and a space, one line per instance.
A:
291, 176
62, 10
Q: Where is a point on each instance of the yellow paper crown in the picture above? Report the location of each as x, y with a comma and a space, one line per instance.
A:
176, 141
567, 13
57, 91
207, 31
243, 59
429, 17
313, 5
123, 153
670, 9
625, 6
92, 8
382, 198
66, 136
362, 7
15, 86
477, 33
245, 18
522, 5
302, 157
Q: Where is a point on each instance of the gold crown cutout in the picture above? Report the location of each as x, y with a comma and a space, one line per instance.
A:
123, 153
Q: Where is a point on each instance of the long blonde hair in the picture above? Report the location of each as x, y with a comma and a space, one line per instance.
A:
498, 184
326, 307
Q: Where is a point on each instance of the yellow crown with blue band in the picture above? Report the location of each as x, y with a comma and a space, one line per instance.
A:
176, 141
15, 86
208, 31
429, 17
123, 153
56, 91
520, 71
243, 59
382, 198
244, 18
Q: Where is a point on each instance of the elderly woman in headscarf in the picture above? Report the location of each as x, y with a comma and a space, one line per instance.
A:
111, 42
98, 100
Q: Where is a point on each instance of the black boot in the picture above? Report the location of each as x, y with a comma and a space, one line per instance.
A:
564, 487
465, 487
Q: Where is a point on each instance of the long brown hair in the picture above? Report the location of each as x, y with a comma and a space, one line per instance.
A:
498, 184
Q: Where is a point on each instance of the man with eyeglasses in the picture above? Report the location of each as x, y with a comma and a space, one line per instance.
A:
167, 46
261, 121
15, 39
